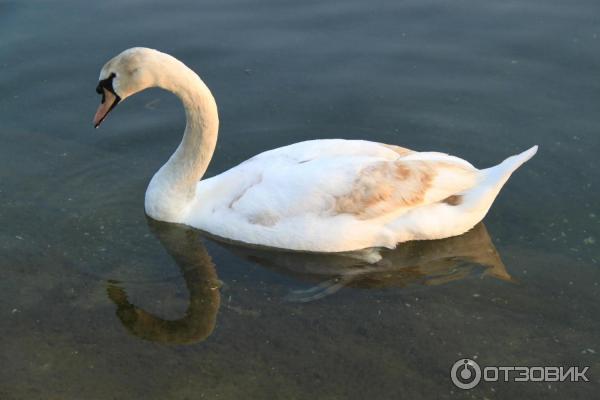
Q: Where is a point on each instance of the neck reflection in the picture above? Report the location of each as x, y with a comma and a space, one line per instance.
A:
184, 245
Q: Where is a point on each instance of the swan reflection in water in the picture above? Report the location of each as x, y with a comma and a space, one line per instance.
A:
431, 262
185, 247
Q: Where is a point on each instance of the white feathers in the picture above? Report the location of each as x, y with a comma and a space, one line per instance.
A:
287, 198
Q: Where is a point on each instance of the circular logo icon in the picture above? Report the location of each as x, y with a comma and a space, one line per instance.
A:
465, 374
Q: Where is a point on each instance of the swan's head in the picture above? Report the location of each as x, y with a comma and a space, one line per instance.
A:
126, 74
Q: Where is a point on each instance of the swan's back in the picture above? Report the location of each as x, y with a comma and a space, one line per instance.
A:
342, 195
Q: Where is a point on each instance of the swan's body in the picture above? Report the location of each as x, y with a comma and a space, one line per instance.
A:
328, 195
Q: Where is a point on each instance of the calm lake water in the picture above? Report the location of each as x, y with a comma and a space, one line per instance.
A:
97, 302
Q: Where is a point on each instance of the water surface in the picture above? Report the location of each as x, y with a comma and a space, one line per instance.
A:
97, 302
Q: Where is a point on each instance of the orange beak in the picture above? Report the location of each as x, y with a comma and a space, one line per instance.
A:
109, 101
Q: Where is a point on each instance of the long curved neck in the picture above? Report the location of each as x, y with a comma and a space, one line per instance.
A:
173, 187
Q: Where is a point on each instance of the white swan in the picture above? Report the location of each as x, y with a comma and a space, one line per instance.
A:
327, 195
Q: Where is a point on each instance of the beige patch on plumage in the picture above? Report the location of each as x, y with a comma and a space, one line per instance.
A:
386, 186
454, 200
264, 219
402, 151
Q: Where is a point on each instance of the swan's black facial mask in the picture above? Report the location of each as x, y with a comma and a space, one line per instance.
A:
109, 99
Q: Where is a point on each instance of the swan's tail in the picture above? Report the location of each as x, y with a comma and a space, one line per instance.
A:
445, 219
480, 198
499, 174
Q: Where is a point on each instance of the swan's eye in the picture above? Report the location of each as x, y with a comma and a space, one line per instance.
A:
106, 84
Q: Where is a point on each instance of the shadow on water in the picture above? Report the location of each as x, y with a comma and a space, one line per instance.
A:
426, 263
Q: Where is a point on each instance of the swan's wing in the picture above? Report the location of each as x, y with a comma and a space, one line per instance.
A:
393, 187
325, 195
364, 180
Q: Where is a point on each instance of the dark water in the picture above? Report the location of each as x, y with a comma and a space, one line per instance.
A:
97, 302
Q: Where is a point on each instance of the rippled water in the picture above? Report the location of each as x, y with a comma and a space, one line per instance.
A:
98, 302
